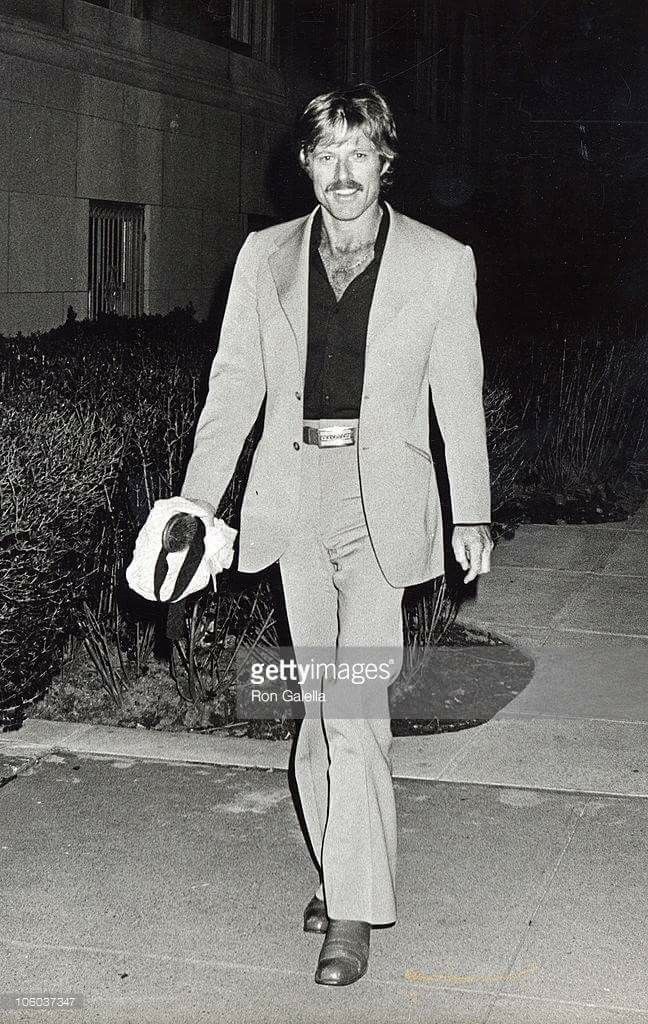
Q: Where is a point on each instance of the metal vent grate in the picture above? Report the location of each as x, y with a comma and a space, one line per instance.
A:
116, 259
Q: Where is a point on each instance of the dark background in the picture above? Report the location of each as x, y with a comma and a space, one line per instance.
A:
539, 160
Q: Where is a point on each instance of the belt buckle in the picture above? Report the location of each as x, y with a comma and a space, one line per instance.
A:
334, 437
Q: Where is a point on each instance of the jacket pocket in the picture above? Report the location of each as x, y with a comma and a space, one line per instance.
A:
419, 451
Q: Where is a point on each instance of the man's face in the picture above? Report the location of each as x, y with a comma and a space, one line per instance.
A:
346, 173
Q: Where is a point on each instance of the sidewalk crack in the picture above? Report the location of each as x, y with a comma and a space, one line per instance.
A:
578, 815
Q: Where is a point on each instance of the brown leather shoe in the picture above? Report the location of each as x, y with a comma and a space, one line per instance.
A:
345, 953
315, 916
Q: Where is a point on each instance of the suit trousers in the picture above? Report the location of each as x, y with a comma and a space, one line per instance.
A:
338, 598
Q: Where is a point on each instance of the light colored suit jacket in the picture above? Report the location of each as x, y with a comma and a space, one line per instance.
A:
422, 334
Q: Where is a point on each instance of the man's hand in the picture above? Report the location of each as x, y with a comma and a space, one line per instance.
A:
472, 546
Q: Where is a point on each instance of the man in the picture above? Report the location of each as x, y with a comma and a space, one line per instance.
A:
345, 320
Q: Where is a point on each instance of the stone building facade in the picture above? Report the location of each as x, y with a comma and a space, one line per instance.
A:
139, 148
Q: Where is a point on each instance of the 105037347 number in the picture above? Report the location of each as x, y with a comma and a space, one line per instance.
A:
41, 1000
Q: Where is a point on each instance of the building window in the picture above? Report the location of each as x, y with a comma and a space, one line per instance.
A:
116, 259
241, 21
315, 39
235, 23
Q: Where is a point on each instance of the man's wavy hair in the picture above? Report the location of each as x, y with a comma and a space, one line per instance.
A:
334, 113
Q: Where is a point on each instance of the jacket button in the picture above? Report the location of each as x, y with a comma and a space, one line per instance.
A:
296, 445
297, 394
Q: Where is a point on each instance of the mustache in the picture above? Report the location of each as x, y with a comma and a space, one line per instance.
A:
343, 184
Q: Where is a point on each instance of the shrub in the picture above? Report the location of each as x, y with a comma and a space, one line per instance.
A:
591, 426
97, 420
60, 465
583, 417
505, 444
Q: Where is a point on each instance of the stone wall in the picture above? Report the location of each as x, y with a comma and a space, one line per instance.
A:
98, 105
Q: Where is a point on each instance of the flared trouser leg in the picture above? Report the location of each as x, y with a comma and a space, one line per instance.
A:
339, 604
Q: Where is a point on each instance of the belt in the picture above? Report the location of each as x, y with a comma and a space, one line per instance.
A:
330, 437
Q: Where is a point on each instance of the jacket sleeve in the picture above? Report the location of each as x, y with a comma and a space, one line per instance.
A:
456, 375
236, 388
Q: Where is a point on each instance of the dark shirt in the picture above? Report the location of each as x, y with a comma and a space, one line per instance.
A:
337, 332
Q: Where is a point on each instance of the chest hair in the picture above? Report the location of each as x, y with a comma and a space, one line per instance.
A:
342, 268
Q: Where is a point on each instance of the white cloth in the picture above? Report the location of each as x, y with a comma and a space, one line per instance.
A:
218, 555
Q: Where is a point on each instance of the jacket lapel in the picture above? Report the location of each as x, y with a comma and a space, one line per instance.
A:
391, 289
289, 265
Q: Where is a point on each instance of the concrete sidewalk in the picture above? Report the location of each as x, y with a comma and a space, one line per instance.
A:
173, 893
569, 586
